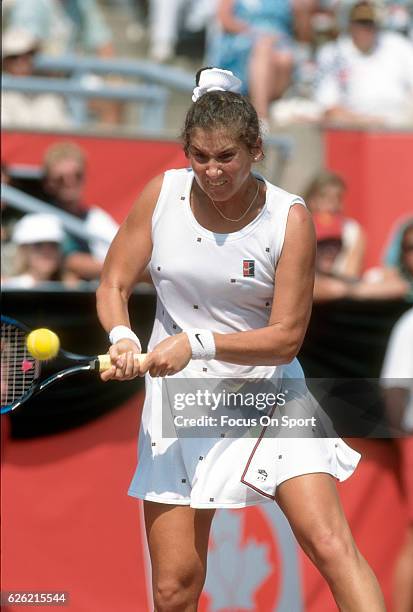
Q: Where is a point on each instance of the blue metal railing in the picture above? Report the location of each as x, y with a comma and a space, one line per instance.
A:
153, 98
151, 72
153, 92
28, 204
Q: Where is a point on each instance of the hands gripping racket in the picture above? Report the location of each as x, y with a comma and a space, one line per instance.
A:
21, 373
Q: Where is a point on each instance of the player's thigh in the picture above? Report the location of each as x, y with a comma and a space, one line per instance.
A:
313, 508
177, 538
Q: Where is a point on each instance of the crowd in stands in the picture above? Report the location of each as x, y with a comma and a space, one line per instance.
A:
52, 252
37, 247
340, 61
347, 62
344, 61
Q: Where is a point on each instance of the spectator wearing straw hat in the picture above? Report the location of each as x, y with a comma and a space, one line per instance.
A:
366, 77
25, 109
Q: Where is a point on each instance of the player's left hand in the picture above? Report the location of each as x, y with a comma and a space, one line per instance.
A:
169, 357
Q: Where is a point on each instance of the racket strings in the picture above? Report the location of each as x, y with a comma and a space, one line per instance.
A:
18, 368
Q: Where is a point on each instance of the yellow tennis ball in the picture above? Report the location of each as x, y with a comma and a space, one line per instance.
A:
42, 344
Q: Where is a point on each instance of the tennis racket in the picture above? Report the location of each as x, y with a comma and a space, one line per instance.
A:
23, 376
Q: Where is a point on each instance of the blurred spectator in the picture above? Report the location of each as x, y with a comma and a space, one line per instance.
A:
255, 41
366, 77
397, 381
163, 22
64, 167
39, 257
66, 26
398, 16
324, 198
330, 285
397, 255
8, 248
25, 109
170, 18
398, 261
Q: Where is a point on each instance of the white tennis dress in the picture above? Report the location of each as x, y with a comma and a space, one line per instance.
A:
225, 283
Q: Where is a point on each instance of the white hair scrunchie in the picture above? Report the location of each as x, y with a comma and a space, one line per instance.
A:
216, 79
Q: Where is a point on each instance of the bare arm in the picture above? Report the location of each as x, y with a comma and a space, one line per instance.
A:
127, 259
83, 265
339, 114
327, 288
227, 19
303, 11
353, 258
392, 289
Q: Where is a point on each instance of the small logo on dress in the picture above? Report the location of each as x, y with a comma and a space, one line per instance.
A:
262, 475
248, 267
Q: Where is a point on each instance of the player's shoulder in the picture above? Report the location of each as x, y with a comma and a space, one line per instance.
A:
277, 196
154, 187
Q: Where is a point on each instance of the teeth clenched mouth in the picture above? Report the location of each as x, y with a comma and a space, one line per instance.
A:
217, 184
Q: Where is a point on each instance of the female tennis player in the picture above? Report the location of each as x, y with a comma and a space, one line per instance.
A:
232, 260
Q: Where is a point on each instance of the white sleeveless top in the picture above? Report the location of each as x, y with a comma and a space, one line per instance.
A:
221, 282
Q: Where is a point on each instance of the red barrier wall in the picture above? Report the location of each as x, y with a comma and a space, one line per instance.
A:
67, 523
118, 168
377, 169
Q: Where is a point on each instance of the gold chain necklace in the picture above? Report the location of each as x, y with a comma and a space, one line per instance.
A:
243, 214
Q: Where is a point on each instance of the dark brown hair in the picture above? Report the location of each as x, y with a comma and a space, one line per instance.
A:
222, 109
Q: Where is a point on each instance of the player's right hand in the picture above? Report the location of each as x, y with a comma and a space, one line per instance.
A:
124, 366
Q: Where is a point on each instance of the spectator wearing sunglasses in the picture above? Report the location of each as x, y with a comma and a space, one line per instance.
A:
22, 109
64, 168
366, 77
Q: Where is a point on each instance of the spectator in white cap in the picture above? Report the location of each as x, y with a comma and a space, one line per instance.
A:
23, 109
19, 48
39, 238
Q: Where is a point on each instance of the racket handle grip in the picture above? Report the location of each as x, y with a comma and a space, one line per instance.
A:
105, 362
